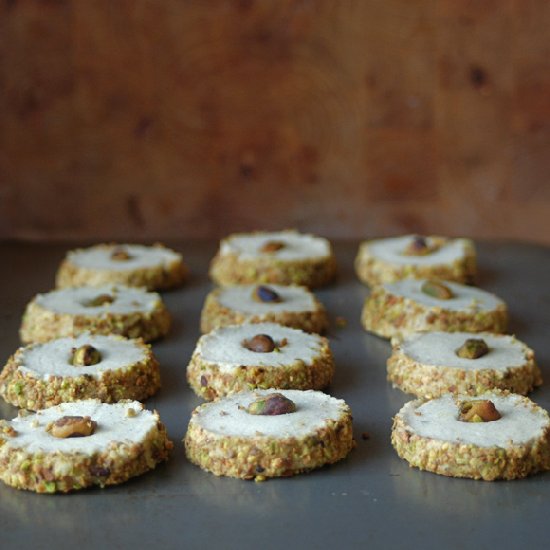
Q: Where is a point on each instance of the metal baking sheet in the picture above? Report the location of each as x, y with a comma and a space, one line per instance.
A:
372, 498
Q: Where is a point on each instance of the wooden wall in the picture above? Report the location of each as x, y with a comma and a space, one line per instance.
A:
193, 118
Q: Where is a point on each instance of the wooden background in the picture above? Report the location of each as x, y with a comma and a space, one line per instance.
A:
177, 118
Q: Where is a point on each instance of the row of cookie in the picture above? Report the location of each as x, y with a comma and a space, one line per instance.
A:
493, 435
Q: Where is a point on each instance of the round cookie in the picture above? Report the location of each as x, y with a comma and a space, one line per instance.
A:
507, 437
269, 434
429, 364
76, 445
109, 368
392, 259
130, 312
291, 306
152, 267
264, 355
281, 257
413, 305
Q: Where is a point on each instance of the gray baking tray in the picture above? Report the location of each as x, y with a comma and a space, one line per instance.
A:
370, 499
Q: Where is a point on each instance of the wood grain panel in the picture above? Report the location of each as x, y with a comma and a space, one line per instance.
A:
184, 118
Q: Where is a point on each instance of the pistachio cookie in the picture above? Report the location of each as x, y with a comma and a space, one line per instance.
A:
283, 257
76, 445
429, 364
269, 434
116, 309
109, 368
291, 306
495, 436
152, 267
264, 355
392, 259
412, 305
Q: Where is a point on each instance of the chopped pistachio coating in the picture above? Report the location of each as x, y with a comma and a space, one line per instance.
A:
473, 348
272, 405
85, 356
435, 289
479, 411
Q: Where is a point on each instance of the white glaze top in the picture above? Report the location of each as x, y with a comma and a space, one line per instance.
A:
73, 300
438, 349
391, 250
226, 416
240, 298
298, 246
99, 257
466, 298
112, 426
438, 419
53, 358
223, 347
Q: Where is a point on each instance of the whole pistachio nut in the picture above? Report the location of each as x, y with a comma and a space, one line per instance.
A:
261, 343
265, 294
101, 300
436, 289
473, 348
417, 246
272, 405
85, 356
72, 426
269, 247
119, 253
479, 411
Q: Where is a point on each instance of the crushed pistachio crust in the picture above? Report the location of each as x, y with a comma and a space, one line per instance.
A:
210, 382
429, 381
261, 457
41, 325
161, 277
230, 269
456, 459
374, 271
59, 472
388, 315
215, 315
137, 381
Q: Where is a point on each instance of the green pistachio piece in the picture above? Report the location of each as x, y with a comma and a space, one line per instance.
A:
479, 411
417, 246
436, 289
100, 300
269, 247
72, 426
85, 356
473, 348
272, 405
261, 343
120, 254
266, 295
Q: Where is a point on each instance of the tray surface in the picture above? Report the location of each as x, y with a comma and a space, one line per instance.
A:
372, 497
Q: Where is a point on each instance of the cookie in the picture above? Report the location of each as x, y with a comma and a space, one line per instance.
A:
494, 436
269, 434
412, 305
109, 368
429, 364
264, 355
392, 259
282, 257
291, 306
76, 445
151, 267
116, 309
